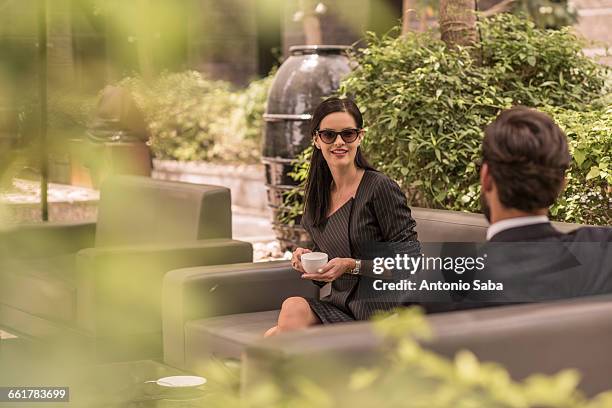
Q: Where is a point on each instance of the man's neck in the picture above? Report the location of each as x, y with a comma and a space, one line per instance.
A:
515, 219
509, 213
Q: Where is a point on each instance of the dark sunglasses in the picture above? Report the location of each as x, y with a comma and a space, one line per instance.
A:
329, 136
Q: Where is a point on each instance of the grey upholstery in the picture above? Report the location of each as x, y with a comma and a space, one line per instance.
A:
44, 287
449, 226
132, 212
32, 241
526, 339
37, 268
454, 226
209, 298
225, 336
102, 282
223, 311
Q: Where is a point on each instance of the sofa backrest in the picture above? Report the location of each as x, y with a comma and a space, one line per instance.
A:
140, 210
449, 226
456, 226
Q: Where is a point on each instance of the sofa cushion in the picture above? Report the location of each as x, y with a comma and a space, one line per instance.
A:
44, 287
225, 336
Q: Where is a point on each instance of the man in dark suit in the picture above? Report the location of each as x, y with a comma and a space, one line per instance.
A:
524, 159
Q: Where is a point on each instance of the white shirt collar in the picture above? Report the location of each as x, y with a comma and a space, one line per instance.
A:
503, 225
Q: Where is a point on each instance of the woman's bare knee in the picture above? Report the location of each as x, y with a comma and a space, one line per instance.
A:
295, 314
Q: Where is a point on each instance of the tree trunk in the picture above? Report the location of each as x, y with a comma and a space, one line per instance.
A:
311, 24
312, 30
144, 44
458, 22
423, 19
406, 13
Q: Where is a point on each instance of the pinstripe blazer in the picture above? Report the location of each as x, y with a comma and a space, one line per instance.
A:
376, 222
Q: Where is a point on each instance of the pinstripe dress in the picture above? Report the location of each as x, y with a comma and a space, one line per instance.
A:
377, 217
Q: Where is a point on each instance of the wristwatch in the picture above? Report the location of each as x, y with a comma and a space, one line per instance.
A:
357, 268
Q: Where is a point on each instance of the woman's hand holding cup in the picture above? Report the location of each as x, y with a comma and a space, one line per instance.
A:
296, 259
332, 270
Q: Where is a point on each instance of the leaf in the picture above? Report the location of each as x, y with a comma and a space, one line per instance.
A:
416, 183
363, 378
579, 156
467, 366
594, 172
531, 60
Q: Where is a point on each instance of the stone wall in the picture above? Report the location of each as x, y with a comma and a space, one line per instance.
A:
247, 182
595, 23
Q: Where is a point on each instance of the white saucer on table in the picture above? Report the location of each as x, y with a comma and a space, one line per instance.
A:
181, 381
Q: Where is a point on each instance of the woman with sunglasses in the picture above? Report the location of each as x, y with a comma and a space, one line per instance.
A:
351, 211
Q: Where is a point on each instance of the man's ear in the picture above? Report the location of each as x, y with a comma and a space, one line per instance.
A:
486, 180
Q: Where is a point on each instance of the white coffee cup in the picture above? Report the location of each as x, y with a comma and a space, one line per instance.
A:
313, 261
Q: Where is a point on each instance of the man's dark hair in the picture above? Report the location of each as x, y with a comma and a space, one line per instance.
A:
527, 154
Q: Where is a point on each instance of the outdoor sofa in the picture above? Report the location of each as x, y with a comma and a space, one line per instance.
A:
221, 312
97, 286
526, 339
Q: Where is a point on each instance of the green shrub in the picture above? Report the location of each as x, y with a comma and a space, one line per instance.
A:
425, 108
194, 118
588, 195
538, 67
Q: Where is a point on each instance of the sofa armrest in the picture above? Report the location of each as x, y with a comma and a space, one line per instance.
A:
198, 293
119, 288
46, 239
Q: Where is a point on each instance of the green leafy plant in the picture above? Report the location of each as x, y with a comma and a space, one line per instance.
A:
425, 108
293, 200
588, 195
194, 118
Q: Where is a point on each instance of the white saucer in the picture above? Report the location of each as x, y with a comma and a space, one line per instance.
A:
181, 381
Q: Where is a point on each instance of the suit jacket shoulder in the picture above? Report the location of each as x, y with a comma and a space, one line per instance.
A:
590, 234
375, 183
546, 232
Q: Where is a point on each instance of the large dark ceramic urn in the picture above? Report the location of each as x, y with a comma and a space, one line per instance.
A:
310, 74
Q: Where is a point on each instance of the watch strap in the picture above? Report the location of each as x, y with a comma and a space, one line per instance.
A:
357, 268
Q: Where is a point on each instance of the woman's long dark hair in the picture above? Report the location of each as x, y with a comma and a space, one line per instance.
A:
318, 184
